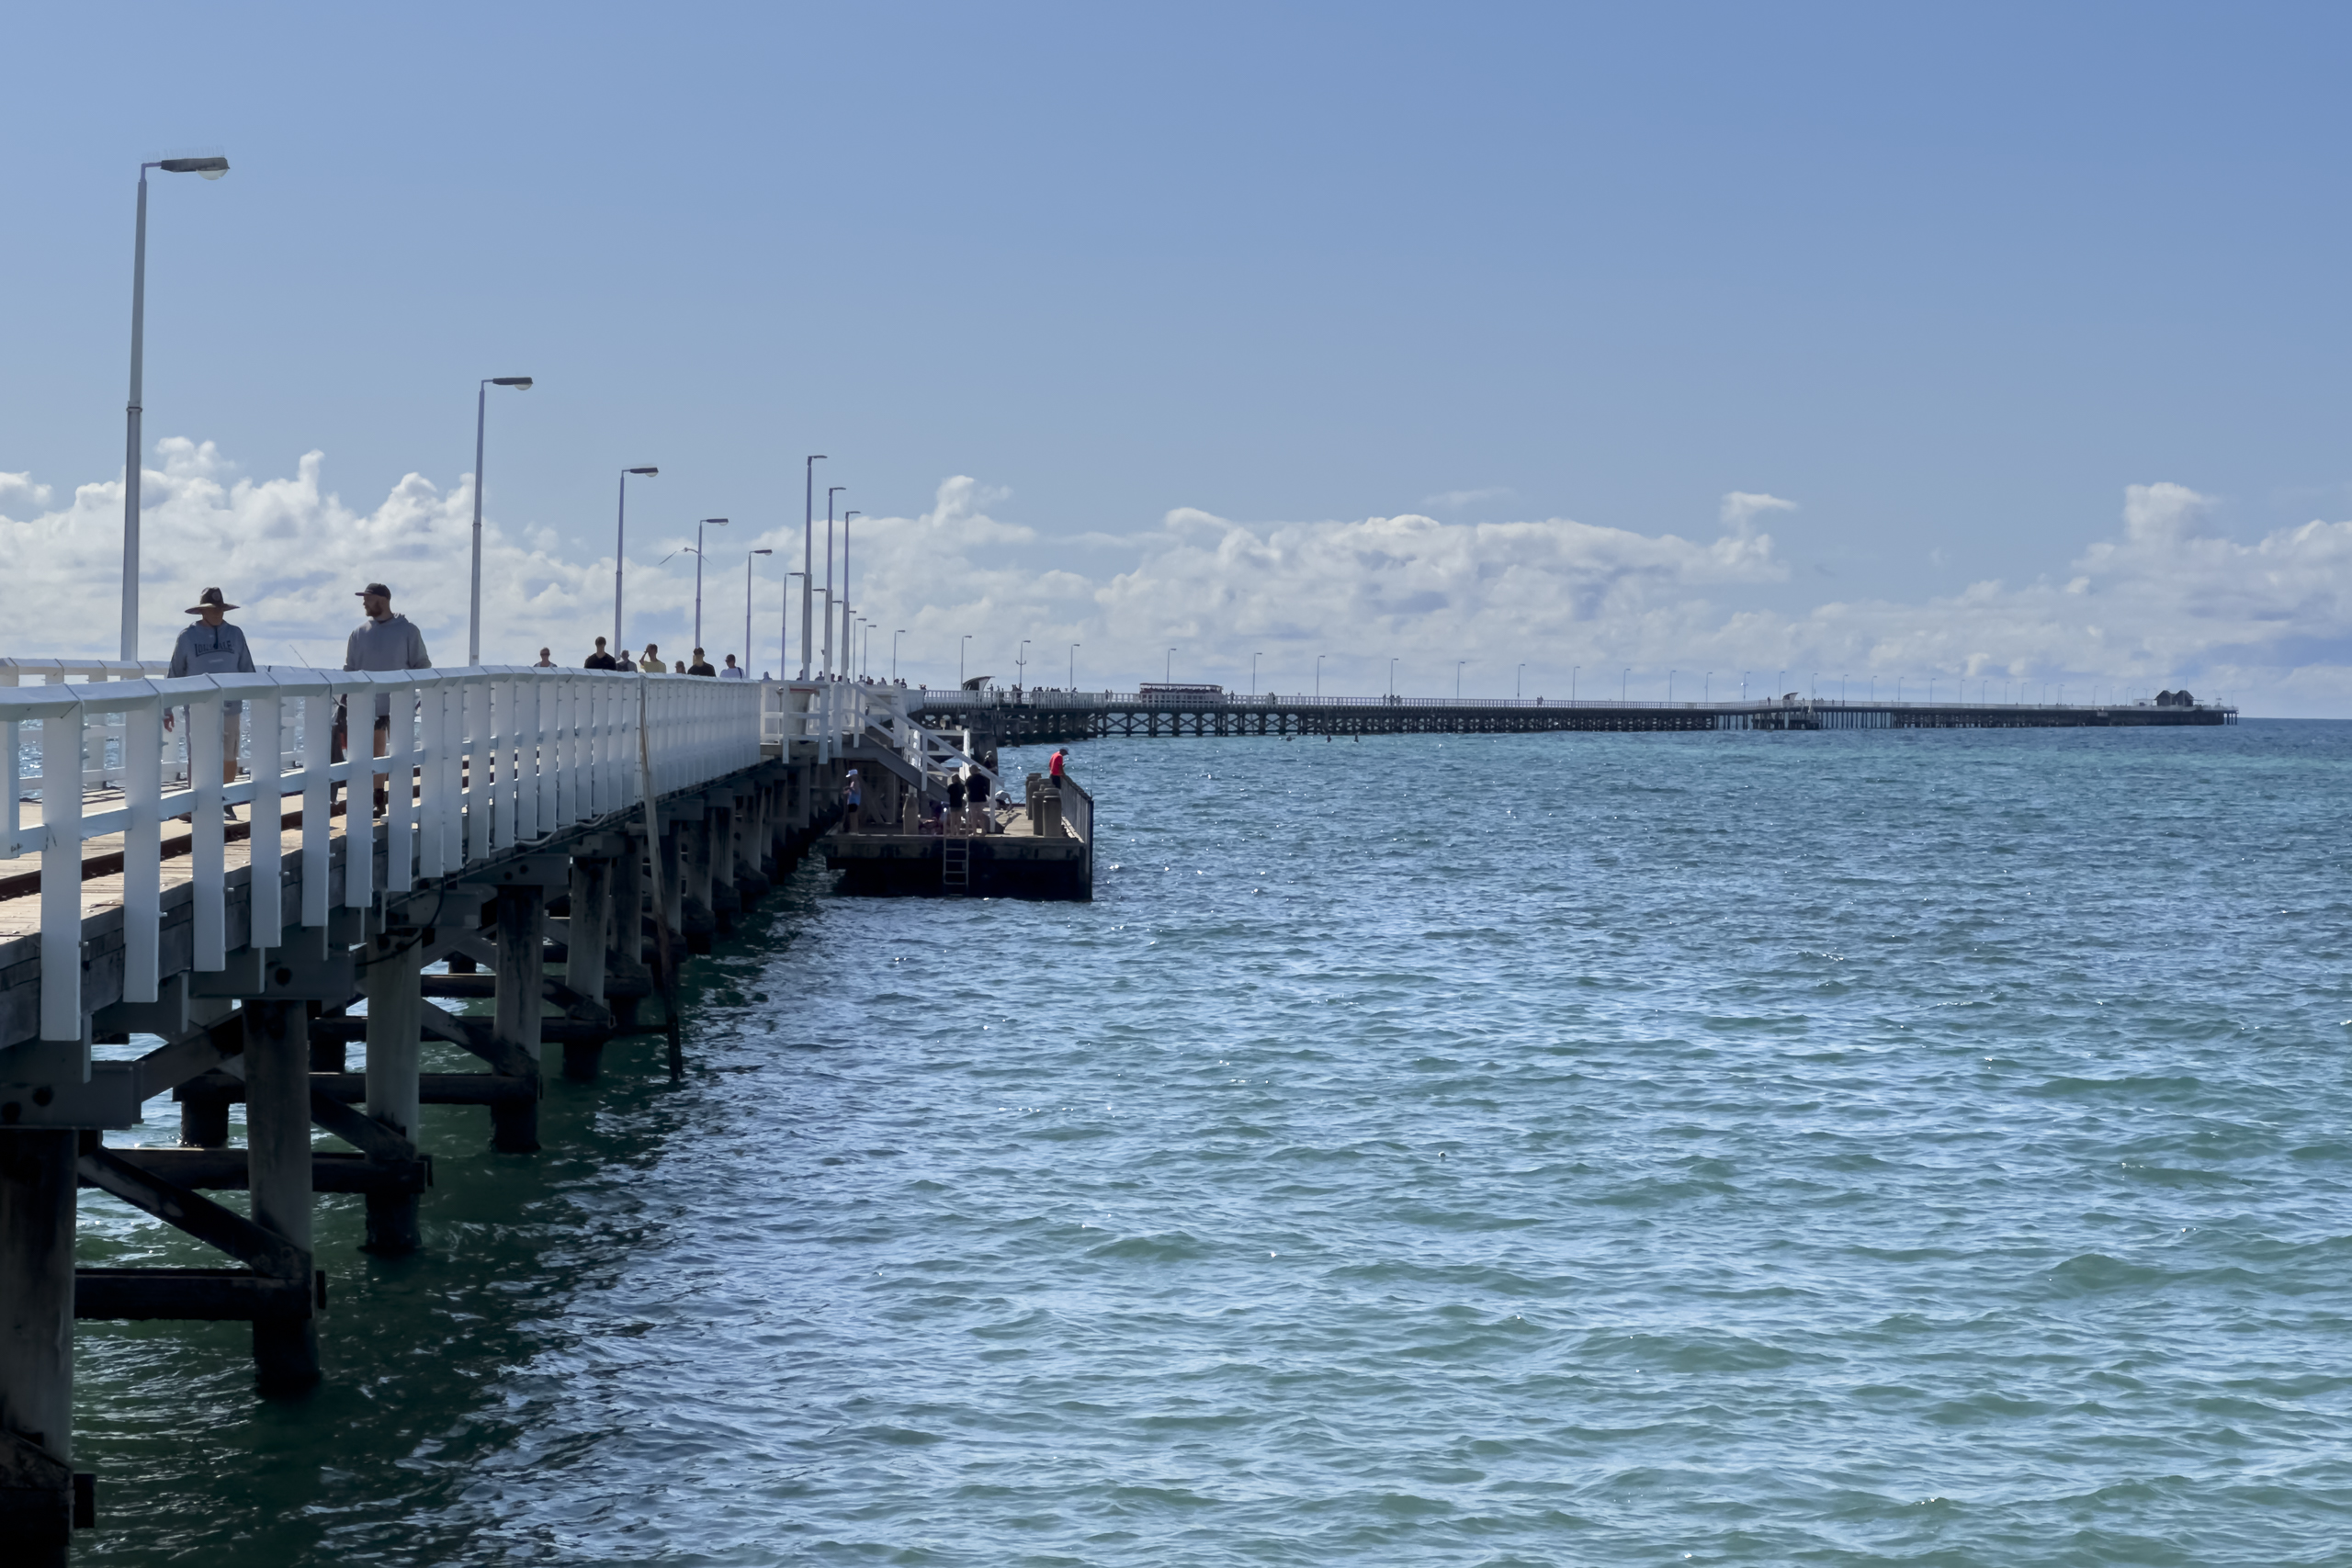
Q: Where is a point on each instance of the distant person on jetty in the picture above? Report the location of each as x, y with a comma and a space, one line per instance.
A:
734, 671
599, 660
384, 641
701, 666
1058, 767
214, 647
852, 799
546, 660
624, 663
650, 661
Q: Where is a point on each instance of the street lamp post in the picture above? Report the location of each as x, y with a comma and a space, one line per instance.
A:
845, 517
1457, 678
698, 528
1707, 689
620, 548
894, 653
784, 624
1392, 677
829, 600
481, 414
747, 609
1624, 684
1519, 682
1021, 664
1073, 664
959, 661
1670, 688
1319, 675
807, 557
211, 169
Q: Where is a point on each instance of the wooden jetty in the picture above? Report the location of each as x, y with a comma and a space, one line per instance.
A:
538, 845
1033, 717
1040, 847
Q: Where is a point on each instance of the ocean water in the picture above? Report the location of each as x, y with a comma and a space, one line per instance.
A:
1882, 1148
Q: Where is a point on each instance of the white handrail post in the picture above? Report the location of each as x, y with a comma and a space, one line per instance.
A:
264, 718
318, 782
61, 877
206, 872
143, 851
400, 797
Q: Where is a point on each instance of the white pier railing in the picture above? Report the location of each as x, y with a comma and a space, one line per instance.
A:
476, 761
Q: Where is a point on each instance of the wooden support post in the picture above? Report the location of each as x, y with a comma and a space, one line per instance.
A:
592, 900
696, 920
277, 1139
673, 912
327, 1055
522, 964
36, 1183
395, 1002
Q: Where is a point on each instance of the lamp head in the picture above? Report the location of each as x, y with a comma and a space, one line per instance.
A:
764, 552
211, 168
716, 522
520, 383
648, 471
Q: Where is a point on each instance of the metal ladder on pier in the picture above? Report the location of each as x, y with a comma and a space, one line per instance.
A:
955, 864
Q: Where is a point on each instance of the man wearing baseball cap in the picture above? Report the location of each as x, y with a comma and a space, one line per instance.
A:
384, 641
213, 646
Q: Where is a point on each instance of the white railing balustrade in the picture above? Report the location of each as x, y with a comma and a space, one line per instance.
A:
477, 761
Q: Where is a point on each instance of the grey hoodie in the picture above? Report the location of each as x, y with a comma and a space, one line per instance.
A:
392, 643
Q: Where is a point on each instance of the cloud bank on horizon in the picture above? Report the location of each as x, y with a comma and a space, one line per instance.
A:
2167, 601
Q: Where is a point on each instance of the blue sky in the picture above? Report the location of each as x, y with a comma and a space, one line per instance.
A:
1948, 280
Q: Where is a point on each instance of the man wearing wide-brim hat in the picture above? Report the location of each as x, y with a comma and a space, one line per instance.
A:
213, 646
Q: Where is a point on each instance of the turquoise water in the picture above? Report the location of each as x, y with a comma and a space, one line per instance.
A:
1914, 1148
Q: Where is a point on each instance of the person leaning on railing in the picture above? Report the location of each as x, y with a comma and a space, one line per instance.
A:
214, 647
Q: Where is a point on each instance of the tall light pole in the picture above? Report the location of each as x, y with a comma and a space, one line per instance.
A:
1073, 664
1519, 682
1457, 678
1167, 673
845, 517
1624, 684
482, 412
959, 659
784, 624
1021, 663
747, 609
807, 556
211, 169
1707, 689
829, 575
620, 547
1669, 687
1392, 676
894, 653
1574, 671
698, 528
1319, 675
1255, 654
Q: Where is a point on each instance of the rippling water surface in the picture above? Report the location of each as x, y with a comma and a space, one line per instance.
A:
1727, 1149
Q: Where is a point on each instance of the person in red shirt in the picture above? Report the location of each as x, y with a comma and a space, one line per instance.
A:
1058, 766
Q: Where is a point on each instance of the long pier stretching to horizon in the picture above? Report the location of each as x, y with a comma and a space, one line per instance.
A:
1016, 718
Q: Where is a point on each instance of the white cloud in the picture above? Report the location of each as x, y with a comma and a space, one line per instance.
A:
1741, 508
2168, 599
1455, 500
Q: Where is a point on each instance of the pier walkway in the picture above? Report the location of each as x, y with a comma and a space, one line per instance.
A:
523, 867
1035, 716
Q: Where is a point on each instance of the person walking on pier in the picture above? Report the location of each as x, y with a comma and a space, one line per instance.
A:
650, 661
599, 660
701, 666
384, 641
214, 647
546, 660
734, 671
